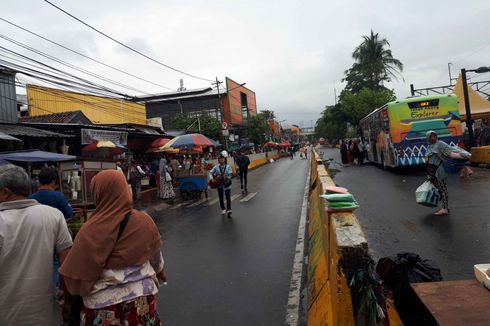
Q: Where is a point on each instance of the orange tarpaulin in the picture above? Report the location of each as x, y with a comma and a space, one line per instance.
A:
480, 107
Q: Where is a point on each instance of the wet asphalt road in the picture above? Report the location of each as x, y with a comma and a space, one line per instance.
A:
393, 222
233, 271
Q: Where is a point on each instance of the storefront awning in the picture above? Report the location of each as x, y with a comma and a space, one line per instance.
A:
480, 107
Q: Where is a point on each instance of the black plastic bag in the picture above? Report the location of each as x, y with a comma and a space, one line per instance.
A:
398, 273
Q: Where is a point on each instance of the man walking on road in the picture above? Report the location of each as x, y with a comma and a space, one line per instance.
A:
222, 172
30, 235
243, 162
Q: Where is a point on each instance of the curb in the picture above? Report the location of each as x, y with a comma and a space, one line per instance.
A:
479, 165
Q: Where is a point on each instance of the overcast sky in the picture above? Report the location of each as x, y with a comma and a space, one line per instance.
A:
291, 53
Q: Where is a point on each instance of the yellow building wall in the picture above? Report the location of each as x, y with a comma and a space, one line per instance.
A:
100, 110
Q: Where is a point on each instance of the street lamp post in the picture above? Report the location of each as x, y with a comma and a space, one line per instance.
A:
469, 121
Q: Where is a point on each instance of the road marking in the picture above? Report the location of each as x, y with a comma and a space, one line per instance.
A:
213, 201
248, 197
235, 196
177, 206
294, 299
161, 206
199, 202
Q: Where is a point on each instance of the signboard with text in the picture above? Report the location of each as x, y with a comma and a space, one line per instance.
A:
91, 135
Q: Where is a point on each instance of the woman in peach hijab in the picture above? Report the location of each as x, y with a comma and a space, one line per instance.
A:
115, 263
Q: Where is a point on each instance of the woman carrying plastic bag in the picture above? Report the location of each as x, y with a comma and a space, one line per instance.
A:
437, 174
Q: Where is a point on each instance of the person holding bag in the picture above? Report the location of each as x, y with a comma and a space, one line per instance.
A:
115, 263
221, 180
435, 170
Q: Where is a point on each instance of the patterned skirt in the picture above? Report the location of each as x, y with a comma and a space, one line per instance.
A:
166, 189
137, 312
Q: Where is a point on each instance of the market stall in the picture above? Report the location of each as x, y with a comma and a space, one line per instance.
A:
75, 177
192, 179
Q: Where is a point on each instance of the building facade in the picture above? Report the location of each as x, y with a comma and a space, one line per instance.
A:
8, 98
98, 109
233, 105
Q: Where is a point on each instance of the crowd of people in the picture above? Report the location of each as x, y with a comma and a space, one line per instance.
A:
110, 272
353, 152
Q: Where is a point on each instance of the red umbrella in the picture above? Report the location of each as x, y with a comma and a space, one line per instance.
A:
270, 144
159, 142
104, 147
285, 144
190, 140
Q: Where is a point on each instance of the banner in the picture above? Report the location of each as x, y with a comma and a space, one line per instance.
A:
91, 135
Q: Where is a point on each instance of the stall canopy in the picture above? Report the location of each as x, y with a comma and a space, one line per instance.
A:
480, 107
34, 156
190, 140
285, 144
4, 136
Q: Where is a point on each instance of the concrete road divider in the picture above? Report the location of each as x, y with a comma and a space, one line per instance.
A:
336, 250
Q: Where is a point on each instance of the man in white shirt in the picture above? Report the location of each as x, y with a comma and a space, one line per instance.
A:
30, 235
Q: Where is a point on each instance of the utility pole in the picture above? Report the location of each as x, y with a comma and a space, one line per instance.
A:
335, 95
449, 71
221, 113
469, 121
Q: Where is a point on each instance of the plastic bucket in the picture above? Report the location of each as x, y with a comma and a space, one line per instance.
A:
451, 166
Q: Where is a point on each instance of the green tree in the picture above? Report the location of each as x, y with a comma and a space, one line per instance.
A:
374, 64
210, 126
268, 114
258, 129
355, 106
331, 124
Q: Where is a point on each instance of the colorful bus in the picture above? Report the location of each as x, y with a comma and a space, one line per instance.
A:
395, 134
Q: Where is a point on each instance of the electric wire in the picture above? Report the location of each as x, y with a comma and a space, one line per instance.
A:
127, 46
84, 55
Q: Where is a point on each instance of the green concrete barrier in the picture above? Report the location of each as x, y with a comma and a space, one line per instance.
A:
336, 246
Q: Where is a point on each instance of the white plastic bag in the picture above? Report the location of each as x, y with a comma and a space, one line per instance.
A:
427, 194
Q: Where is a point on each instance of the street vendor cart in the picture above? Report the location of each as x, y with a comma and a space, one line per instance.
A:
75, 177
193, 182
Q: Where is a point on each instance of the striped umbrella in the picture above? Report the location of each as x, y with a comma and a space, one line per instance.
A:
189, 140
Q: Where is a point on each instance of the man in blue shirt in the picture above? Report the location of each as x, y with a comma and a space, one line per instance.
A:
47, 195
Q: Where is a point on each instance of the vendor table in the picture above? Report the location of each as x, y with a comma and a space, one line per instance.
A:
463, 302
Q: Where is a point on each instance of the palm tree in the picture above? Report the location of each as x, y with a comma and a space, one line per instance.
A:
374, 64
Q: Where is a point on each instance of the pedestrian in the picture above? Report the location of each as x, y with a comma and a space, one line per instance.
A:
356, 152
484, 137
115, 263
435, 170
166, 186
349, 151
243, 162
30, 235
343, 153
136, 173
47, 195
174, 164
222, 172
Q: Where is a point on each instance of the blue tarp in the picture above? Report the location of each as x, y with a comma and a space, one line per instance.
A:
34, 156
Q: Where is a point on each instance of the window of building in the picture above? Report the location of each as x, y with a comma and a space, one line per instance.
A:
244, 104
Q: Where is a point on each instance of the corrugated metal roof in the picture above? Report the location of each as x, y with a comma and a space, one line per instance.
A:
62, 117
181, 95
19, 130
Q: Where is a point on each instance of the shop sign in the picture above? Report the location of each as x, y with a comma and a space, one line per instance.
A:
91, 135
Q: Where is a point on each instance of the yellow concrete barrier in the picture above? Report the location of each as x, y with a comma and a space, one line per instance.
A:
336, 244
480, 155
